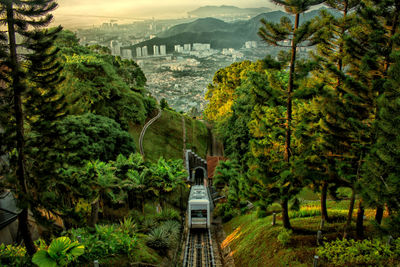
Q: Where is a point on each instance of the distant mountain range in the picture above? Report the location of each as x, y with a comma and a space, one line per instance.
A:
222, 11
218, 33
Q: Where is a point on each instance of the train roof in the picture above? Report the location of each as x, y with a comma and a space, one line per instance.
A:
198, 192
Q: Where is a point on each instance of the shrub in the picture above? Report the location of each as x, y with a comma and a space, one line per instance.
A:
173, 229
158, 239
168, 214
367, 252
165, 236
104, 241
307, 211
13, 256
284, 236
261, 213
128, 226
147, 224
225, 211
60, 252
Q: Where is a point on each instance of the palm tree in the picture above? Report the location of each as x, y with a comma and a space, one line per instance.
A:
167, 176
105, 184
140, 187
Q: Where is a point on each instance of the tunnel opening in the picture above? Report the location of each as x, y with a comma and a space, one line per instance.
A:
199, 176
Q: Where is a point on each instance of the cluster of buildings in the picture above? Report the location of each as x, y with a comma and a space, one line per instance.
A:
183, 49
157, 51
250, 44
197, 49
236, 55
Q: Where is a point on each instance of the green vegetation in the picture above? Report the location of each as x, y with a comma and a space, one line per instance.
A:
81, 163
14, 256
61, 252
255, 242
354, 253
321, 126
164, 138
219, 33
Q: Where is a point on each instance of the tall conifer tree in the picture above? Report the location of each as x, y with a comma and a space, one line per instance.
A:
274, 34
381, 20
19, 17
330, 53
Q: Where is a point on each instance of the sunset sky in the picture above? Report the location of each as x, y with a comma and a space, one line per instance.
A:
86, 12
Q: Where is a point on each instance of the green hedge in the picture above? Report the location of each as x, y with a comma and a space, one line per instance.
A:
360, 253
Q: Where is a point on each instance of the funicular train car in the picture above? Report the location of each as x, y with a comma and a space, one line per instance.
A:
199, 207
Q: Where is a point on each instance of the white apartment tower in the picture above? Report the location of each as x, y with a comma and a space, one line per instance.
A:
126, 54
187, 47
138, 52
115, 48
163, 50
144, 51
156, 50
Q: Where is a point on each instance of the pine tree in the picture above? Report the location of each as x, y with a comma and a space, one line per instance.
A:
330, 53
43, 108
381, 19
19, 17
274, 34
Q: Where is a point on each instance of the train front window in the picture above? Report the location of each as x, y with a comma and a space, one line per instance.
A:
199, 213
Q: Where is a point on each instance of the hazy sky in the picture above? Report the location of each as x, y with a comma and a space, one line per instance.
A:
76, 12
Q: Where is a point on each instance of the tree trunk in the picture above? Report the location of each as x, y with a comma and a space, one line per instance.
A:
324, 194
360, 220
94, 214
23, 223
131, 199
350, 214
379, 214
142, 204
288, 151
285, 214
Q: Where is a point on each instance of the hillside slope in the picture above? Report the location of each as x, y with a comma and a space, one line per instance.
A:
218, 33
164, 138
199, 25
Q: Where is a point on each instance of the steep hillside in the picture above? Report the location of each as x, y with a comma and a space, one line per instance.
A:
165, 136
219, 33
217, 39
200, 25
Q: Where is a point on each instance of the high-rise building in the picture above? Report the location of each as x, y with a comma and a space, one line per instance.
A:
187, 47
163, 50
144, 51
126, 53
201, 47
156, 50
115, 48
250, 44
138, 52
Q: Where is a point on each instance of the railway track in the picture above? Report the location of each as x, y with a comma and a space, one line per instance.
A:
144, 131
198, 250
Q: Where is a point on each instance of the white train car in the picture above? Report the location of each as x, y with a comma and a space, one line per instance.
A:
199, 211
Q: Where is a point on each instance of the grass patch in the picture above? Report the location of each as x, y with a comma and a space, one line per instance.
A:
164, 138
144, 254
254, 241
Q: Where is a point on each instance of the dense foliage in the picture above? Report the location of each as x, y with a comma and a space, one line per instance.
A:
325, 121
360, 253
61, 252
91, 137
14, 256
99, 83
